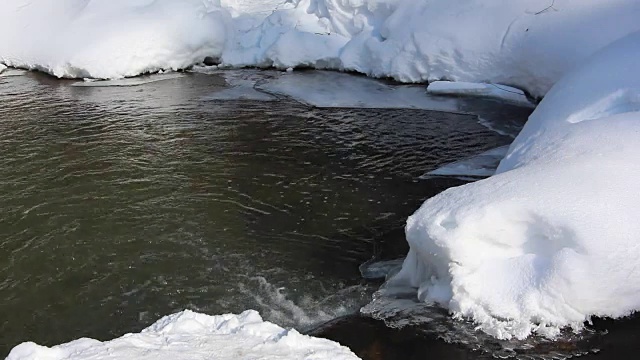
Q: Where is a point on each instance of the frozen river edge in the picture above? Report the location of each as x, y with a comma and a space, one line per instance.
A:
546, 243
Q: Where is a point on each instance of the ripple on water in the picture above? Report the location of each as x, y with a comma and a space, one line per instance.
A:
123, 204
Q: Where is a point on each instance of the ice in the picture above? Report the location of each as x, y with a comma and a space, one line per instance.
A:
492, 91
380, 269
330, 89
551, 239
129, 81
12, 72
241, 85
481, 165
190, 335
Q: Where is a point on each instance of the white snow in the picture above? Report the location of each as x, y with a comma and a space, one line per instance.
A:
552, 239
528, 44
481, 165
491, 91
2, 68
110, 38
190, 335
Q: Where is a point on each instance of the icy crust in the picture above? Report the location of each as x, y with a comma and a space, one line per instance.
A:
481, 165
528, 44
189, 335
490, 91
552, 239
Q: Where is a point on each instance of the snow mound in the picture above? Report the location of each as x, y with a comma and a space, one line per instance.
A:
491, 91
110, 39
552, 239
2, 68
190, 335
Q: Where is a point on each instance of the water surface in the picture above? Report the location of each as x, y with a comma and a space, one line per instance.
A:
123, 204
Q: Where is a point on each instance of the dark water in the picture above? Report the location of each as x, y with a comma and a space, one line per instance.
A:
123, 204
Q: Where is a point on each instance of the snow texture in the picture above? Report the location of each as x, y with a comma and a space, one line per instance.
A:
110, 39
552, 238
190, 335
528, 44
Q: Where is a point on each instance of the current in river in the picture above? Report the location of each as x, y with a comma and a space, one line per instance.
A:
121, 204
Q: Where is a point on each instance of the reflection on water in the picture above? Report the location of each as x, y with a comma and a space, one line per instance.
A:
122, 204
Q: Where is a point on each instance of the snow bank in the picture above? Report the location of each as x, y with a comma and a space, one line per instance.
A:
110, 38
552, 239
528, 44
190, 335
2, 68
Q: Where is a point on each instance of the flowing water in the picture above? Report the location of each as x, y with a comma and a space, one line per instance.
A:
121, 204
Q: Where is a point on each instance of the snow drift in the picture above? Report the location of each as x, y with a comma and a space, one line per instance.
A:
528, 44
552, 238
190, 335
110, 38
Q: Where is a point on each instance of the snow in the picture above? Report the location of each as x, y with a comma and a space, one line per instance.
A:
2, 68
528, 44
551, 239
110, 39
191, 335
547, 242
481, 165
491, 91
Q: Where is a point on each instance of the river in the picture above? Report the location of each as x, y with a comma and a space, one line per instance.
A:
121, 204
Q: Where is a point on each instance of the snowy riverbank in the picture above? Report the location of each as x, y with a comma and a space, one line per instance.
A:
551, 239
527, 44
547, 242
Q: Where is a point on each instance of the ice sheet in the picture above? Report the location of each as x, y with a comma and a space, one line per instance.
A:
491, 91
128, 81
481, 165
241, 85
330, 89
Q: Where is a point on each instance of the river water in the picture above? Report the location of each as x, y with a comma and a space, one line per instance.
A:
121, 204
